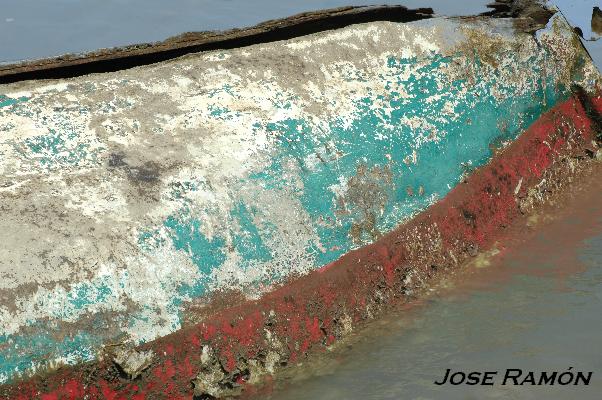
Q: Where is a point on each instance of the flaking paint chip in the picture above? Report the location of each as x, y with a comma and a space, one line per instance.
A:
133, 362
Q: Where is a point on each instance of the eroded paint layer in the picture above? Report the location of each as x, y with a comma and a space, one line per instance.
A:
130, 197
235, 348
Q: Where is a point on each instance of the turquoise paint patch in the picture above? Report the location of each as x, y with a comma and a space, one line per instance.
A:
184, 231
6, 101
50, 150
150, 240
226, 88
368, 141
248, 241
20, 353
186, 235
85, 294
61, 145
221, 113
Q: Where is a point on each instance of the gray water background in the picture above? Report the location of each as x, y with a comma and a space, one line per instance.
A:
31, 29
538, 309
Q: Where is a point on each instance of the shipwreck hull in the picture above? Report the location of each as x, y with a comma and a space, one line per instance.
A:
230, 212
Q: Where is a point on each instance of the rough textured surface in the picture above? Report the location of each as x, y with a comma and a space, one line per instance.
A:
234, 348
528, 15
133, 200
133, 362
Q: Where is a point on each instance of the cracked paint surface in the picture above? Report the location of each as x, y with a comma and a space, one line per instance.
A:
128, 196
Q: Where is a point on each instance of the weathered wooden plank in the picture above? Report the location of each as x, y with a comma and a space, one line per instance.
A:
114, 59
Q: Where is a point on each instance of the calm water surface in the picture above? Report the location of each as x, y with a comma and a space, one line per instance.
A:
538, 307
32, 29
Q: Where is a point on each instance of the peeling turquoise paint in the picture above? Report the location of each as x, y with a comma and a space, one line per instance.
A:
59, 146
248, 241
186, 235
52, 150
86, 294
6, 101
440, 163
466, 141
24, 353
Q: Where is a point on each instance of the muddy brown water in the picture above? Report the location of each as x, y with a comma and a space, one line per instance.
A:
536, 305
